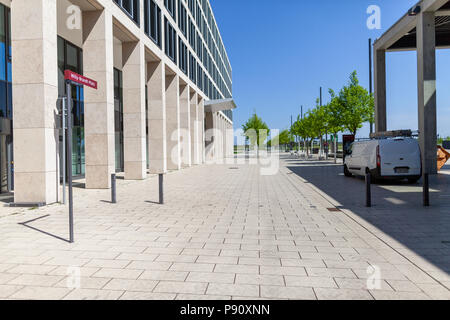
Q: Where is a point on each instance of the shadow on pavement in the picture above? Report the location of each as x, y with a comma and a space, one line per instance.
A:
397, 207
25, 224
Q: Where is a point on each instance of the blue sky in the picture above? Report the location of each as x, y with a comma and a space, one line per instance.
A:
282, 51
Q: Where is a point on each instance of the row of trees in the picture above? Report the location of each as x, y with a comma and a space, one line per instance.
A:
346, 112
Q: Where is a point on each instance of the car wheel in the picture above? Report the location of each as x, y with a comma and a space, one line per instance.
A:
347, 173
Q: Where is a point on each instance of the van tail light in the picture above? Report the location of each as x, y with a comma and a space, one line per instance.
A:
378, 157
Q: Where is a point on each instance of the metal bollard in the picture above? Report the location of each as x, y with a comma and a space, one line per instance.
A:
113, 188
426, 190
368, 191
161, 188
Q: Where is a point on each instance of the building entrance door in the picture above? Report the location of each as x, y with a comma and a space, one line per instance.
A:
118, 121
6, 163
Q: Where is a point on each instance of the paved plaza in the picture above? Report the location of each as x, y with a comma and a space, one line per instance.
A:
228, 232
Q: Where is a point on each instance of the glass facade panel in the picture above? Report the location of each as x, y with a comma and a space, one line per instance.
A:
6, 135
118, 120
70, 58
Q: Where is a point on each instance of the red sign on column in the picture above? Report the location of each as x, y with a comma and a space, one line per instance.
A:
78, 78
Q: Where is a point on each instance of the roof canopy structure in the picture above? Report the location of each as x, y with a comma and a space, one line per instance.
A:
424, 29
219, 105
402, 36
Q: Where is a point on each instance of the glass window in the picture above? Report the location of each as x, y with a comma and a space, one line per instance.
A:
131, 7
152, 17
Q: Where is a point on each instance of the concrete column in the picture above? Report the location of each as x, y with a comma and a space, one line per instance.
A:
379, 61
194, 129
173, 122
230, 140
134, 111
222, 137
201, 123
209, 136
426, 74
157, 145
35, 87
98, 64
224, 133
185, 123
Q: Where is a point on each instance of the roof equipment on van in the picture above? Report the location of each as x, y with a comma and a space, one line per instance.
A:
391, 134
443, 157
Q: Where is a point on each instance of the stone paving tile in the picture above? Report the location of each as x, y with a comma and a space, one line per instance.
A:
149, 265
199, 267
279, 254
176, 258
8, 290
35, 280
233, 290
85, 282
270, 280
297, 271
40, 293
292, 293
139, 295
400, 285
259, 261
385, 275
319, 282
6, 266
239, 253
435, 291
227, 268
136, 257
360, 284
64, 271
342, 294
302, 263
181, 287
164, 275
196, 297
211, 277
107, 263
31, 269
131, 285
118, 273
395, 295
93, 294
217, 260
330, 272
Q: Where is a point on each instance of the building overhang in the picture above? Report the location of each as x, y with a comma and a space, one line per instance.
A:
219, 105
402, 35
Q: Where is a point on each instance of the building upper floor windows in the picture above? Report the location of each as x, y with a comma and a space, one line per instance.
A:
170, 43
152, 19
131, 7
182, 17
171, 7
182, 56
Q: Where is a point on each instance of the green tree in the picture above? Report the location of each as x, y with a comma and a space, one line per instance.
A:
284, 138
357, 105
256, 131
335, 114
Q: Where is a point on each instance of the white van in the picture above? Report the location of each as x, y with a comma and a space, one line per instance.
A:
395, 158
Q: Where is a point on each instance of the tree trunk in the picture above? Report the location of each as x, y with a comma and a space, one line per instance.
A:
335, 148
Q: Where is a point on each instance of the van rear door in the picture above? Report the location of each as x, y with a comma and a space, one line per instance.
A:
400, 157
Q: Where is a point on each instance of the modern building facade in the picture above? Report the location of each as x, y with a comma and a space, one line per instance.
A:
162, 71
424, 28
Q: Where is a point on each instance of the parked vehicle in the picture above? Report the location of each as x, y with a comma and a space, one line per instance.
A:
390, 158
